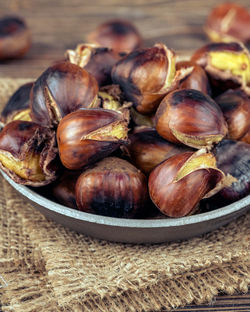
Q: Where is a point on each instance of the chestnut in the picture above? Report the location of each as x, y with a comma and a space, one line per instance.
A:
227, 64
60, 90
119, 35
15, 38
146, 76
17, 107
140, 120
147, 149
190, 117
96, 60
28, 153
233, 158
235, 105
228, 22
197, 79
177, 185
112, 187
63, 190
88, 135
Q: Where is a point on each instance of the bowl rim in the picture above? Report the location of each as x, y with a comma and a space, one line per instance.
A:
123, 222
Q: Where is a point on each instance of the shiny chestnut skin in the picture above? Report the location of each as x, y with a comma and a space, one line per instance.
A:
96, 60
191, 118
15, 38
227, 65
228, 22
119, 35
233, 158
17, 106
63, 88
28, 153
88, 135
63, 190
197, 79
235, 105
147, 149
177, 185
145, 76
112, 187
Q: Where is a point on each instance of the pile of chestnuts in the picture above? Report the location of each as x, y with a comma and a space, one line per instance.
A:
125, 131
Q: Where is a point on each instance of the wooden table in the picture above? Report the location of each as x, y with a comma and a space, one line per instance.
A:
59, 25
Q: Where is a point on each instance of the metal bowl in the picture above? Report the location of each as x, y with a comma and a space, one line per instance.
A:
133, 230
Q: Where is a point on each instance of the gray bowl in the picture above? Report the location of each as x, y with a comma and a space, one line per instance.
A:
133, 230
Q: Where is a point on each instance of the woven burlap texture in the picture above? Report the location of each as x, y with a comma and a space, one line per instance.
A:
50, 268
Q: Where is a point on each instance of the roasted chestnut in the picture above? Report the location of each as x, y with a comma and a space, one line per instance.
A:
227, 64
96, 60
233, 158
15, 38
235, 105
119, 35
191, 118
28, 153
63, 190
112, 187
197, 79
17, 108
228, 22
88, 135
63, 88
177, 185
146, 75
147, 149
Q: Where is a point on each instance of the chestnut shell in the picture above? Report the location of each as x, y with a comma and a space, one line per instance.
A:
15, 38
112, 187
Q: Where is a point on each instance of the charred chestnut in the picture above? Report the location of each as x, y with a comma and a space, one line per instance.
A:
112, 187
147, 149
88, 135
191, 118
15, 38
146, 75
119, 35
28, 153
96, 60
227, 64
18, 106
235, 105
63, 88
228, 22
177, 185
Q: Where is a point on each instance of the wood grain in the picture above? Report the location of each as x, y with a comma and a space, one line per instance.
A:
59, 25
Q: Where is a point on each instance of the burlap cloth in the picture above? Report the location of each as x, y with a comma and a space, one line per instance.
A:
47, 267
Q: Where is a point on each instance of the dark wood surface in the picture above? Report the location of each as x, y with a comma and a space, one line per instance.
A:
60, 25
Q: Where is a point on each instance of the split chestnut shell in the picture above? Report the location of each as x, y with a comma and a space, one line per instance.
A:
191, 118
96, 60
146, 75
112, 187
177, 185
88, 135
60, 90
28, 153
18, 106
227, 64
